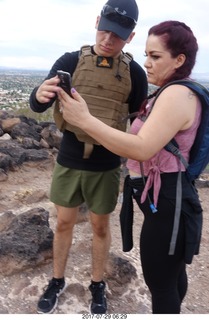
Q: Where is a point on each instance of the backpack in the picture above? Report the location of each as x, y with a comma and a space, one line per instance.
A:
199, 153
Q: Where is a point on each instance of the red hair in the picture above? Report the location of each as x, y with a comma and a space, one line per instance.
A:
178, 38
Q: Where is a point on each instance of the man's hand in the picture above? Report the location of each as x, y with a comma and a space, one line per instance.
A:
47, 90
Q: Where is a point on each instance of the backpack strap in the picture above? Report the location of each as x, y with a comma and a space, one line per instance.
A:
177, 214
173, 147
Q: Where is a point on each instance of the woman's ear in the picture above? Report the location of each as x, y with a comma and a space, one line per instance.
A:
180, 60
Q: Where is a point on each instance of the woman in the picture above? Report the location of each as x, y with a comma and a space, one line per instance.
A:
171, 50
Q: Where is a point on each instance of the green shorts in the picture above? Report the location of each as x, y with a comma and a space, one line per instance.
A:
99, 190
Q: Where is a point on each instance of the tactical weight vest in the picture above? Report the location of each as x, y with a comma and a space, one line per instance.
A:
105, 84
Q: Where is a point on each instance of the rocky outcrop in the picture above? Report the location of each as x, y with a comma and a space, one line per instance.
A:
25, 240
24, 139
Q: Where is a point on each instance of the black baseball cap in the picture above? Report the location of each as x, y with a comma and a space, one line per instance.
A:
119, 17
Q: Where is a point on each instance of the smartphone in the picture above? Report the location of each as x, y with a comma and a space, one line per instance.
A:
65, 81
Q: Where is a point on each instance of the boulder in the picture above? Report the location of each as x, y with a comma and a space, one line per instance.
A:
25, 240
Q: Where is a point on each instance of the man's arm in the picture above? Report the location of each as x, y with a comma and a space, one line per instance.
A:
67, 63
139, 87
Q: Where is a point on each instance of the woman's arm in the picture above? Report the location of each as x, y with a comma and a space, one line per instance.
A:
174, 110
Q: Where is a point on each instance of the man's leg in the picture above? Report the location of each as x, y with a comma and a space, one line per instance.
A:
100, 245
66, 219
100, 250
96, 186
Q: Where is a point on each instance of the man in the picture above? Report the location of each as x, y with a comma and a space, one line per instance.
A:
114, 85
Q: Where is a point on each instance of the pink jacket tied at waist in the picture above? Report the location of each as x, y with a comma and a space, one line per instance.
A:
163, 161
152, 180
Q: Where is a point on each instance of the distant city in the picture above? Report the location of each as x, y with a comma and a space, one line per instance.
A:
17, 84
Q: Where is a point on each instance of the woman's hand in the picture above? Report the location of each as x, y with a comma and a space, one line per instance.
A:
74, 110
47, 90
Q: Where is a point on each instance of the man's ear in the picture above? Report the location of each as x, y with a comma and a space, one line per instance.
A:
130, 37
97, 22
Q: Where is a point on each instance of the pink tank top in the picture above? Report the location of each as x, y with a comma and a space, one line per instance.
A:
163, 161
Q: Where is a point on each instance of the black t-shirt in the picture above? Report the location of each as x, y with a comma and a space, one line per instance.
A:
71, 150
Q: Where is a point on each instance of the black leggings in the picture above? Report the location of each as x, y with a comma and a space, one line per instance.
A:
165, 275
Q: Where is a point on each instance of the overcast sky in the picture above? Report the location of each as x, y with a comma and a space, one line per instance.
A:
35, 33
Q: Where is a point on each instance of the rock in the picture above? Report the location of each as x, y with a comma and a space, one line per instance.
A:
120, 272
25, 240
4, 136
52, 136
5, 161
5, 220
24, 139
22, 129
3, 175
8, 124
203, 181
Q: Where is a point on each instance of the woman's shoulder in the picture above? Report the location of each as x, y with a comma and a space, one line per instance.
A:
180, 101
177, 93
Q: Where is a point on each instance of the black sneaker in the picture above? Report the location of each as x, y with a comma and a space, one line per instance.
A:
98, 304
48, 301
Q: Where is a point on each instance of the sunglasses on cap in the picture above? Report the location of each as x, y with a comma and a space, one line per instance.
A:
116, 16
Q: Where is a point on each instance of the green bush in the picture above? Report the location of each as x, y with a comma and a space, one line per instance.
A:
27, 112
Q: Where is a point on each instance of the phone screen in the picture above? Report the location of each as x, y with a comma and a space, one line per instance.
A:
65, 81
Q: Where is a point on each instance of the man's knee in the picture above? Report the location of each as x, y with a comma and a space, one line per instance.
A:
101, 229
66, 219
63, 225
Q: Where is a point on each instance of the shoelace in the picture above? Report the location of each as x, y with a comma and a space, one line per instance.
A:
53, 287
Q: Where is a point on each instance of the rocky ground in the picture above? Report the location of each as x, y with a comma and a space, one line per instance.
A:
28, 187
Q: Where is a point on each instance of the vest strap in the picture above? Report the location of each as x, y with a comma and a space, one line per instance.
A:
86, 50
88, 148
127, 58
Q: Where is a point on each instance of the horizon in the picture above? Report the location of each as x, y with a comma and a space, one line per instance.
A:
201, 75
